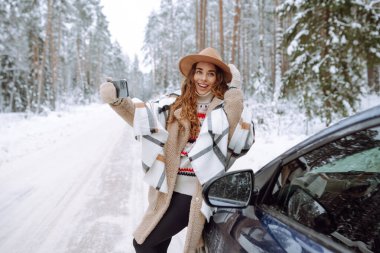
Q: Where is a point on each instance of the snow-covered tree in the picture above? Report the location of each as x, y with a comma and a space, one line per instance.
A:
329, 43
15, 26
167, 39
53, 52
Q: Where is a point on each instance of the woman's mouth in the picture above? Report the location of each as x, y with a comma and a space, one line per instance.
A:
204, 86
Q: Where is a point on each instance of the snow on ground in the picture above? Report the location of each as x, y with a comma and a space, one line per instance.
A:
71, 181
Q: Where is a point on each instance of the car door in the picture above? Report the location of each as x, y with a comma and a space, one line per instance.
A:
327, 199
319, 198
236, 229
259, 228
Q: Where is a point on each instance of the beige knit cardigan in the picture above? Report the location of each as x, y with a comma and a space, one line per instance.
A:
158, 201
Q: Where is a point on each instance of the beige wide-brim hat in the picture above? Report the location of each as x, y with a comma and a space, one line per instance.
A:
209, 55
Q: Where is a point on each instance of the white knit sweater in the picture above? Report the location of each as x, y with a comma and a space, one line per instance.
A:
186, 180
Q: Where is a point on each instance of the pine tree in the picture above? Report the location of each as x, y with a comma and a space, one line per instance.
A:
329, 43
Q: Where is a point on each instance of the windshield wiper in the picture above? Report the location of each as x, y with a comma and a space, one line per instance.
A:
357, 244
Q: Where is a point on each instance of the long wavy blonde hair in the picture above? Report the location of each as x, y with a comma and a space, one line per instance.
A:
188, 99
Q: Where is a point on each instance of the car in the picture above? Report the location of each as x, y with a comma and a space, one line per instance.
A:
322, 195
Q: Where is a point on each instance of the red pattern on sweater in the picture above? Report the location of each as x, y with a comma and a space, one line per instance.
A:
186, 170
201, 115
189, 171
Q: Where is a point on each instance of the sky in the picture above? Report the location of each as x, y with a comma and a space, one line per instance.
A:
127, 20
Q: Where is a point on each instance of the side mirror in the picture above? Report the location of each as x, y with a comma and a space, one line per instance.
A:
308, 211
233, 190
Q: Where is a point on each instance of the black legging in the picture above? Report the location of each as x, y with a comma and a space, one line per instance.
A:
174, 220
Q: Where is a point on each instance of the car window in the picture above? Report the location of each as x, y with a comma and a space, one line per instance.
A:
366, 161
334, 189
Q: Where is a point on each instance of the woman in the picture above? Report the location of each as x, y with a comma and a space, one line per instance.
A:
208, 84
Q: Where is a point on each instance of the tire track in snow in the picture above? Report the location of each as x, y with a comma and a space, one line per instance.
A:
117, 204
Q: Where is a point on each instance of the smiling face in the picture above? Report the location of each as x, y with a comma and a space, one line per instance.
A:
204, 77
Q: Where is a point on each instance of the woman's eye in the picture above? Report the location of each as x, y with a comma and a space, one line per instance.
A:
198, 72
211, 74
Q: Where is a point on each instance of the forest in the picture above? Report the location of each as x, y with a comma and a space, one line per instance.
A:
322, 56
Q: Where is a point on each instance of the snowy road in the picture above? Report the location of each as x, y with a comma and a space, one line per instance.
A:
77, 188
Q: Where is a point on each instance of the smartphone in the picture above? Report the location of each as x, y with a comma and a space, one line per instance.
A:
121, 88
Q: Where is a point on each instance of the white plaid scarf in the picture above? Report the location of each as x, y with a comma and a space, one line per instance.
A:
149, 127
211, 146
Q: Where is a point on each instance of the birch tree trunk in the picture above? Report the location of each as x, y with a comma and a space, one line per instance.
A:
197, 30
373, 78
35, 69
53, 61
41, 72
212, 32
79, 80
221, 32
203, 23
278, 55
286, 22
235, 37
57, 78
261, 32
245, 41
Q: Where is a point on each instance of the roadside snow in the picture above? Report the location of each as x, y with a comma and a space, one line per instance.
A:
68, 183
